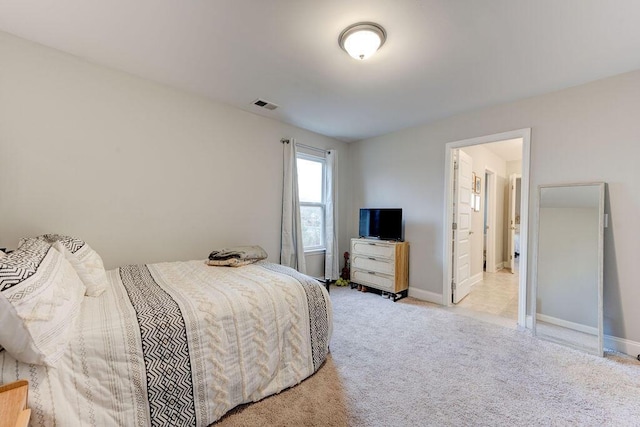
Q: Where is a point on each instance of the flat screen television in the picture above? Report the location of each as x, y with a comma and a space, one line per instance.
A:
383, 224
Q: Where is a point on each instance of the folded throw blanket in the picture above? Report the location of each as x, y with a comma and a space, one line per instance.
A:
237, 256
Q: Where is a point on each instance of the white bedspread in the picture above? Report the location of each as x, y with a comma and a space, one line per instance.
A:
181, 344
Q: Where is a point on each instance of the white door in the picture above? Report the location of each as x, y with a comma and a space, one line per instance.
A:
461, 283
512, 222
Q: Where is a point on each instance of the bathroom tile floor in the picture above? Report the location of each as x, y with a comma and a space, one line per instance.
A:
496, 295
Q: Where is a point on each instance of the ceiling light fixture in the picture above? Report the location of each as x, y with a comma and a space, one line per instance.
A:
362, 40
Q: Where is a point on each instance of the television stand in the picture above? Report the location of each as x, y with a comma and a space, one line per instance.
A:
382, 266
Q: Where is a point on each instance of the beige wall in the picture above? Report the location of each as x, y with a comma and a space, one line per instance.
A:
142, 172
586, 133
514, 166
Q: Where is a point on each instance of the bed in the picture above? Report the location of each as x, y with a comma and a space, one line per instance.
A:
180, 343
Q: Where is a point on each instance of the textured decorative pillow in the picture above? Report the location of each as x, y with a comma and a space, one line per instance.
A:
40, 298
90, 269
86, 261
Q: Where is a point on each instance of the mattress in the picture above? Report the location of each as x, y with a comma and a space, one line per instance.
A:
181, 343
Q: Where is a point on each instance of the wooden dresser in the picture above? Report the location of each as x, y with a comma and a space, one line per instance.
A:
382, 265
13, 404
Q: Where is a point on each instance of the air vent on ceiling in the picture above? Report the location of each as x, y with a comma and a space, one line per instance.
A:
265, 104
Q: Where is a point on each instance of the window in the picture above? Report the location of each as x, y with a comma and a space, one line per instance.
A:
312, 204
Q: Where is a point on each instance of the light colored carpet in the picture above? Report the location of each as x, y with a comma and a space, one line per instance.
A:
411, 363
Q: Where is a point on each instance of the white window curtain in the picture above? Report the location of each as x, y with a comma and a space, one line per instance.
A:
291, 247
331, 262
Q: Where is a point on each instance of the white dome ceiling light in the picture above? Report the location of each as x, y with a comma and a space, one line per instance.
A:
362, 40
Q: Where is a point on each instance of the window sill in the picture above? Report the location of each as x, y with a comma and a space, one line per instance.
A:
315, 251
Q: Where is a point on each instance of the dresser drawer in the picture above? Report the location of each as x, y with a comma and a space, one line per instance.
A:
376, 249
374, 280
373, 264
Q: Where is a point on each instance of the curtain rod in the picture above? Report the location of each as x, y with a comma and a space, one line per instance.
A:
308, 147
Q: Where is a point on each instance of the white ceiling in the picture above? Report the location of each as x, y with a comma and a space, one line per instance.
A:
442, 57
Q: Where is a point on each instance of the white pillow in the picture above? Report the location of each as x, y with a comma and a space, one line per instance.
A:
90, 269
86, 261
40, 298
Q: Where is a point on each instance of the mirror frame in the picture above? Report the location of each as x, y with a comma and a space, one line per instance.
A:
534, 276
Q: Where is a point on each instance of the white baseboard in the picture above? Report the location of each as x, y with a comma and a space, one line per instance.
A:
621, 345
425, 295
476, 278
632, 348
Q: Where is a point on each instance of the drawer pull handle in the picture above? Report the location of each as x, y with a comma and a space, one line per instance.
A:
372, 244
371, 272
372, 258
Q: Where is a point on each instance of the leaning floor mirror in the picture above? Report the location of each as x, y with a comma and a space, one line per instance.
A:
568, 273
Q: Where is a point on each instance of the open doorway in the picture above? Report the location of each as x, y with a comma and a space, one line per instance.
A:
513, 221
482, 268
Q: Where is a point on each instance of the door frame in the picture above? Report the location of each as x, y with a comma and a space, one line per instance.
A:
525, 134
490, 220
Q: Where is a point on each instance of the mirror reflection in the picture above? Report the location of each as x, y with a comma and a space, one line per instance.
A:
568, 284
